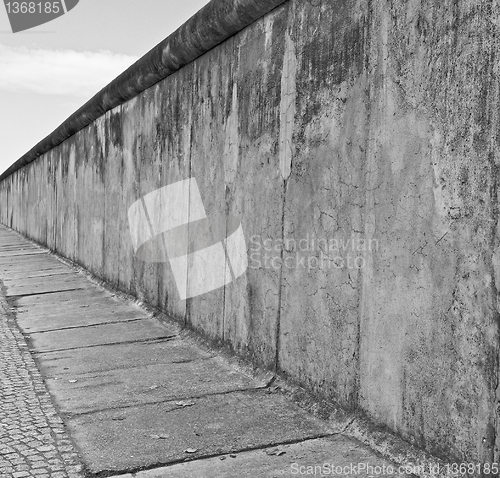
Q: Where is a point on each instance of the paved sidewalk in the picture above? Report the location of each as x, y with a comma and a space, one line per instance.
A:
133, 394
33, 441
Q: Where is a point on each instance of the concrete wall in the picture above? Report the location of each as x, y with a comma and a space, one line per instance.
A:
327, 120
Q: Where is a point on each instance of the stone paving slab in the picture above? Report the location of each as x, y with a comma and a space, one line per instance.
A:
40, 285
120, 440
56, 271
58, 301
329, 456
118, 356
21, 252
17, 247
132, 331
27, 269
125, 387
46, 318
12, 239
8, 242
8, 251
42, 257
62, 299
43, 279
42, 268
82, 307
28, 262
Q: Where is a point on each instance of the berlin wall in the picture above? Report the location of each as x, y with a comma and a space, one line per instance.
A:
357, 143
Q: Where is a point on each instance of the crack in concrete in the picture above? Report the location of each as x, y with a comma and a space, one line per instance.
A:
158, 339
257, 388
16, 296
135, 471
42, 276
126, 367
87, 326
8, 256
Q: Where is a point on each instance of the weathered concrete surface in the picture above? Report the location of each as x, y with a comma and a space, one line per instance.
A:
141, 384
46, 318
135, 395
252, 181
324, 197
101, 334
59, 299
26, 263
284, 461
345, 121
215, 425
13, 276
118, 356
9, 245
20, 252
40, 285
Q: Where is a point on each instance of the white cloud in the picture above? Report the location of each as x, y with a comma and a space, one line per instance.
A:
59, 72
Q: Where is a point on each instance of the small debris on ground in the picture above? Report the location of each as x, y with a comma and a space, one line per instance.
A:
185, 403
275, 452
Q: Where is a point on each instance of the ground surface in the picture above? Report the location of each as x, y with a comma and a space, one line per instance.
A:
33, 441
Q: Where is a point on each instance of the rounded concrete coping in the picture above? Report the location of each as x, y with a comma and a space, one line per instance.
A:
214, 23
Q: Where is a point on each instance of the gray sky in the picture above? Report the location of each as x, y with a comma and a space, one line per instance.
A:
48, 72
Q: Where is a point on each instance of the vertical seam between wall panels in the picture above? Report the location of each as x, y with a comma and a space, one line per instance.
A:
190, 172
361, 299
223, 241
104, 175
283, 204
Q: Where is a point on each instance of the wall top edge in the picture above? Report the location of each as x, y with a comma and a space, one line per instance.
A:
214, 23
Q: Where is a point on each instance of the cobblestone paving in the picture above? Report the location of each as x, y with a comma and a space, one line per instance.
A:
33, 441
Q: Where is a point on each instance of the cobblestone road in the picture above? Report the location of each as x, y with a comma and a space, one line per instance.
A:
33, 441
